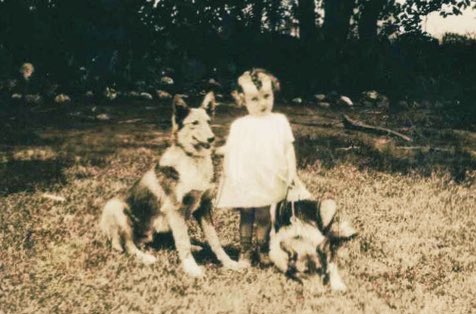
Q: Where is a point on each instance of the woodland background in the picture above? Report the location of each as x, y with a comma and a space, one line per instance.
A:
96, 114
313, 46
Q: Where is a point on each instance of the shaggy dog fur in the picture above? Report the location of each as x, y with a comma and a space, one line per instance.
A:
305, 237
178, 187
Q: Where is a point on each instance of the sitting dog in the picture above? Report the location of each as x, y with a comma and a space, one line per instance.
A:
304, 238
178, 187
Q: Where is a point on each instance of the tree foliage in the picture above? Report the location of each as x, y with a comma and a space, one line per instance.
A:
78, 25
122, 40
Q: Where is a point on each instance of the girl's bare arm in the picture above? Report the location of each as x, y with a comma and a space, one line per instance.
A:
291, 161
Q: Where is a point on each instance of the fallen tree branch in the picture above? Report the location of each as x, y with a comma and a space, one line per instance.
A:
347, 148
53, 197
426, 148
324, 125
130, 121
358, 125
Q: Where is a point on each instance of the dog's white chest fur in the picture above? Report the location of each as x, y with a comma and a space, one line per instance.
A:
195, 173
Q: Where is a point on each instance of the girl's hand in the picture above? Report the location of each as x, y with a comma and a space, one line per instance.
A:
220, 151
291, 163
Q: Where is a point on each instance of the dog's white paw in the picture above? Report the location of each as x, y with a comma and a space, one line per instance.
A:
117, 246
231, 264
335, 280
244, 263
338, 285
192, 269
279, 258
148, 259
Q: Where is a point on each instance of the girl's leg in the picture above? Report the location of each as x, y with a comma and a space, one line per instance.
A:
263, 227
247, 217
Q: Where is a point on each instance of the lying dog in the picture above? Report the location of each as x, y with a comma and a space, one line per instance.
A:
304, 238
178, 187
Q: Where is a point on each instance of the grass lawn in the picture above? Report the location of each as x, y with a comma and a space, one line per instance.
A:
414, 205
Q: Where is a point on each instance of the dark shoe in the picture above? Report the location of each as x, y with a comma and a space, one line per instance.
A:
264, 259
244, 260
263, 256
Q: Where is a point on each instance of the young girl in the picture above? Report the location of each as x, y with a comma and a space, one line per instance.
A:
260, 162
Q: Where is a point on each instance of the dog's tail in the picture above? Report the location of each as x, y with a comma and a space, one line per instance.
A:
112, 217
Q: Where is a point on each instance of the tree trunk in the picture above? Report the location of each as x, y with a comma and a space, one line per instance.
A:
369, 18
307, 19
258, 8
274, 15
237, 9
337, 14
234, 20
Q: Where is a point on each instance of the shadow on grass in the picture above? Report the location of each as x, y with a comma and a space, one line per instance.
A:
29, 175
74, 135
165, 241
19, 135
331, 151
207, 256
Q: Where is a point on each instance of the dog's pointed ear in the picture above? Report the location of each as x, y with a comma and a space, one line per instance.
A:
327, 211
209, 103
180, 111
345, 230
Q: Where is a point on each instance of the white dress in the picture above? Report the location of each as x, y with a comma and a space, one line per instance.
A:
255, 170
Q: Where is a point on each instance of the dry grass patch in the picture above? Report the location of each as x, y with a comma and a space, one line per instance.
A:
415, 252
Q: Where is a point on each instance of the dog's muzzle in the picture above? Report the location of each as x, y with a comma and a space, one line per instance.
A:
202, 144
